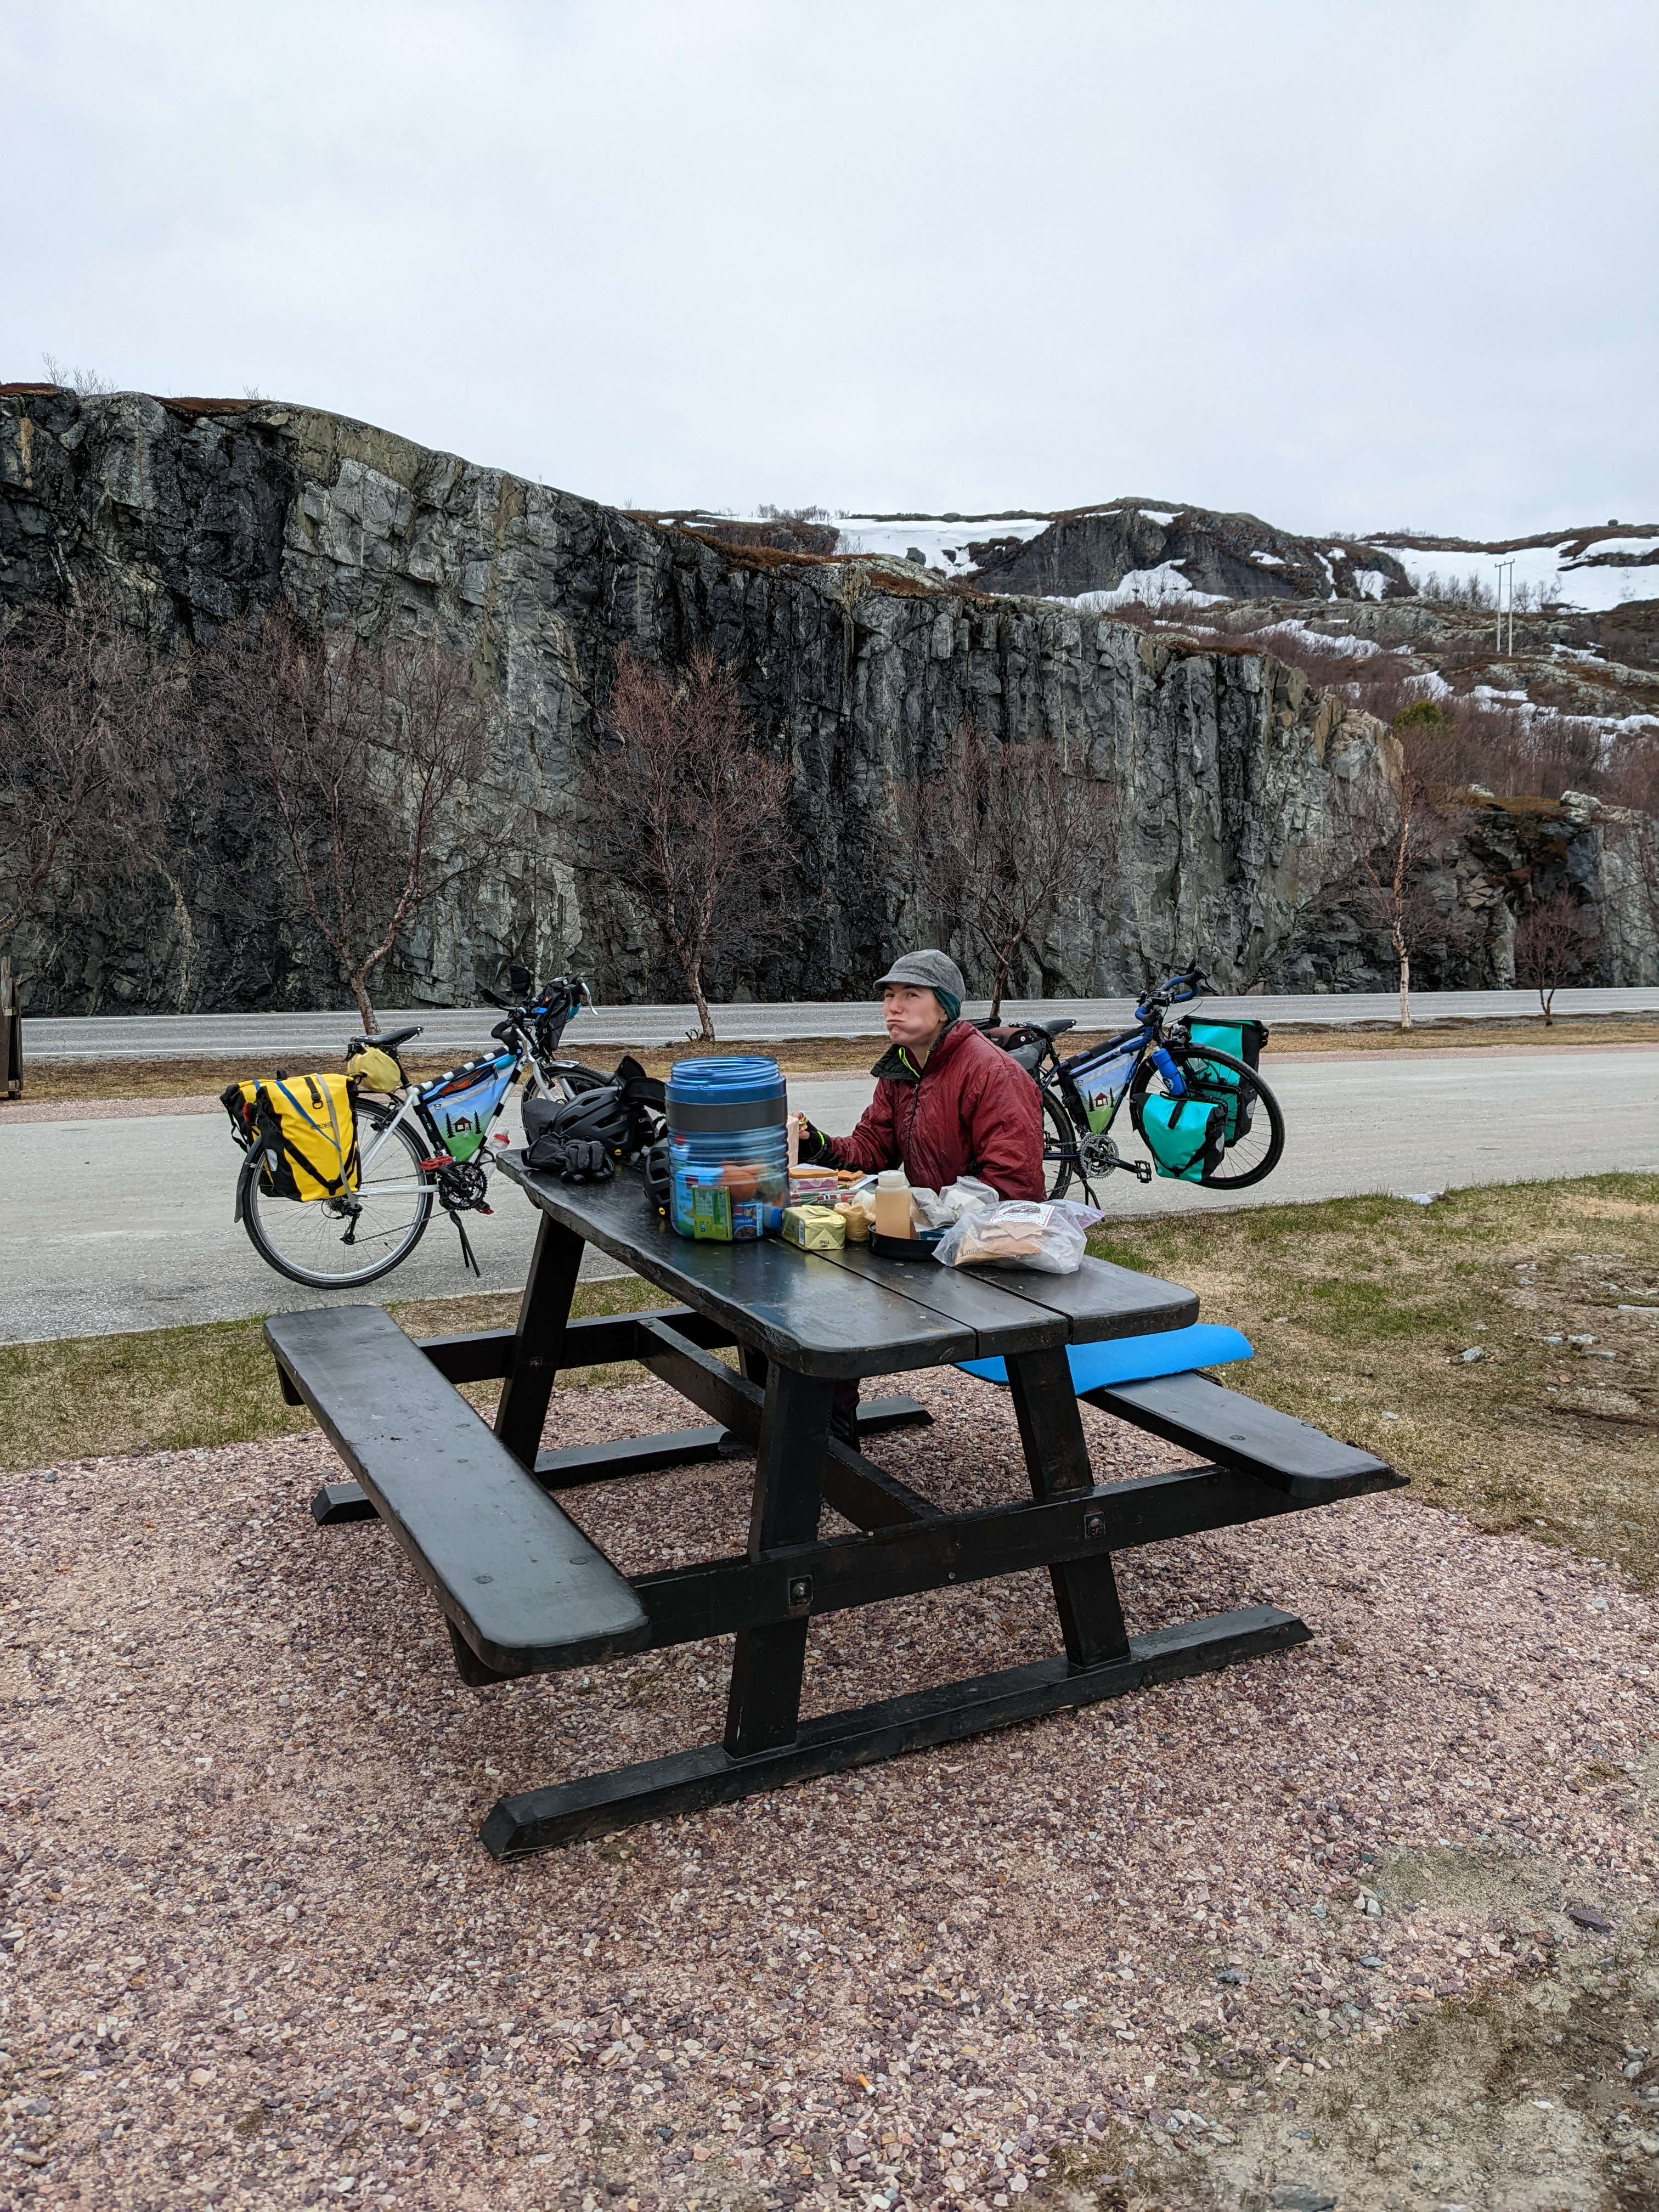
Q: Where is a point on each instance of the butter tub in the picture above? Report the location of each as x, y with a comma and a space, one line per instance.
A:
814, 1228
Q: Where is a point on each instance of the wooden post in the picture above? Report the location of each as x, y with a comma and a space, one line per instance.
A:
11, 1033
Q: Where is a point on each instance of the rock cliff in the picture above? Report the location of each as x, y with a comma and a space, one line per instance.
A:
1157, 552
1221, 766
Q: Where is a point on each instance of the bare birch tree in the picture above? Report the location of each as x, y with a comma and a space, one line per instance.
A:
688, 809
72, 699
1553, 938
1002, 836
1400, 827
363, 750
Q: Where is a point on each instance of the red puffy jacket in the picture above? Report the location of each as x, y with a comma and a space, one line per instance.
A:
971, 1111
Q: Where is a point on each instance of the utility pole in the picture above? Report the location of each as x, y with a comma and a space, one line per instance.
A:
12, 1034
1504, 567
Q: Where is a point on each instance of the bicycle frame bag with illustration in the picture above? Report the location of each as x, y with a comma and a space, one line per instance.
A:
1242, 1041
463, 1103
1101, 1081
1185, 1137
306, 1125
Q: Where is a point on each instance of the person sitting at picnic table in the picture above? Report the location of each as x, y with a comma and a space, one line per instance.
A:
948, 1103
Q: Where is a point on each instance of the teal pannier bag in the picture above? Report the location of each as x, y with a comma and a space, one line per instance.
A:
1243, 1041
1185, 1137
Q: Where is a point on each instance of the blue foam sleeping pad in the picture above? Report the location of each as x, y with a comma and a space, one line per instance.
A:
1137, 1359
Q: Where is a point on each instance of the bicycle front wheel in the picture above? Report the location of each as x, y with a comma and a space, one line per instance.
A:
337, 1244
1259, 1142
572, 1077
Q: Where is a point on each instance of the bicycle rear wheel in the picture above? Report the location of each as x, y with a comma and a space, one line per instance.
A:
1256, 1151
337, 1244
1059, 1148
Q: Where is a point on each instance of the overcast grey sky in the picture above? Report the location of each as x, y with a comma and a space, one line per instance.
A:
1347, 266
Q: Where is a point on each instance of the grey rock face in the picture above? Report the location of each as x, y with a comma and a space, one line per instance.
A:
1221, 768
1233, 557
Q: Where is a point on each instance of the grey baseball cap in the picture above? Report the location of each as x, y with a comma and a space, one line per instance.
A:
926, 971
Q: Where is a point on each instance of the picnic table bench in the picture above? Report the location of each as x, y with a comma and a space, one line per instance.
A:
524, 1590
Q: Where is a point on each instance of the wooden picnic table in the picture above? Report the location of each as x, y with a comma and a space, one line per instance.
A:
526, 1590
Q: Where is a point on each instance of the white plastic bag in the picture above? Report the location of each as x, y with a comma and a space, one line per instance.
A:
941, 1209
1049, 1236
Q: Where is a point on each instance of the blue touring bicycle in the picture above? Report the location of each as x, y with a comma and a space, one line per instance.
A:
423, 1145
1196, 1100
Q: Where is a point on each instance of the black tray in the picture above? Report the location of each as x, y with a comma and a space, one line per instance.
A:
919, 1247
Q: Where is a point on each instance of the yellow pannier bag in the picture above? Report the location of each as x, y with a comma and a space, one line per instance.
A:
306, 1128
374, 1068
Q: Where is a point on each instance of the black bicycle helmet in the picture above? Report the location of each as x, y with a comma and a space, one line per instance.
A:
659, 1178
599, 1117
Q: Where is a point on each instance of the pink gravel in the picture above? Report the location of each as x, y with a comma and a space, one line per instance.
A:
255, 1955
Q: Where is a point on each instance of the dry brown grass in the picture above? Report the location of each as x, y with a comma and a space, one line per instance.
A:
182, 1389
51, 1081
1467, 1036
1360, 1310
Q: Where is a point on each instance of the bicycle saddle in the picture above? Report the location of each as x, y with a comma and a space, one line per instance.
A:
393, 1038
1056, 1028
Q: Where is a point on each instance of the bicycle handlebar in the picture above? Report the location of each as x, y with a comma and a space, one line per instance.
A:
565, 992
1175, 991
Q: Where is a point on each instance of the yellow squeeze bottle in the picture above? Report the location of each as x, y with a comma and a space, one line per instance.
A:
893, 1204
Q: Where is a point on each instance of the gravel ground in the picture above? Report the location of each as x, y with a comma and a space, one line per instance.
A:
15, 1112
256, 1956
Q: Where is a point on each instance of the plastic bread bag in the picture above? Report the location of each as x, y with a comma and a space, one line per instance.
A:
1047, 1237
857, 1205
942, 1209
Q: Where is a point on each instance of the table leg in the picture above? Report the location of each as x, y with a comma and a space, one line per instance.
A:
764, 1708
1057, 1460
543, 1312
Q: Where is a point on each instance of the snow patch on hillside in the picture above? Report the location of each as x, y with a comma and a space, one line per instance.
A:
1549, 569
1147, 587
941, 544
1322, 640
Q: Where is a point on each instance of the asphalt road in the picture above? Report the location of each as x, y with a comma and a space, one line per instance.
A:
126, 1224
463, 1029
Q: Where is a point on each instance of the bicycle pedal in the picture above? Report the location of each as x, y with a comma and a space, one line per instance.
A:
438, 1160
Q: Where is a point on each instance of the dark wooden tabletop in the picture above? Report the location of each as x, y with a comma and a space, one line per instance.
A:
849, 1313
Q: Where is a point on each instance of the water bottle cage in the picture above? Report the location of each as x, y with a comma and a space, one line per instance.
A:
1167, 1069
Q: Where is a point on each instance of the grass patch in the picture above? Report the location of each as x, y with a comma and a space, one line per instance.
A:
53, 1082
1464, 1037
180, 1389
1360, 1310
48, 1082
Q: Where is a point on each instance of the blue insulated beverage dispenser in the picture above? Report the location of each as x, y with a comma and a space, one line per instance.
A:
728, 1148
